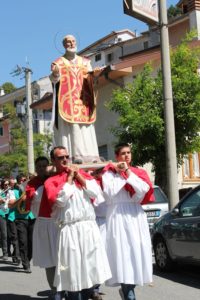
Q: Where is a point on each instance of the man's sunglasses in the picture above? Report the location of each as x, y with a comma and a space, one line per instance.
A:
62, 157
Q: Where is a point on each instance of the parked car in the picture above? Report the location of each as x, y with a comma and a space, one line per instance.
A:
176, 235
157, 208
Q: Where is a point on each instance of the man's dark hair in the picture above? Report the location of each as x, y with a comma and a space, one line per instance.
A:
20, 176
119, 146
53, 150
41, 158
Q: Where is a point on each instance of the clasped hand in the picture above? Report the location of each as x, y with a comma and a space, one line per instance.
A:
121, 167
73, 170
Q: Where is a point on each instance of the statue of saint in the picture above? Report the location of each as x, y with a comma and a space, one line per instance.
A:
74, 105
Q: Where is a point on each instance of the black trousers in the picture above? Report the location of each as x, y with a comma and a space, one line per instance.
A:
3, 232
13, 238
25, 237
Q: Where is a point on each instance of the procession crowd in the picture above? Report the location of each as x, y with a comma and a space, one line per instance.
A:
83, 228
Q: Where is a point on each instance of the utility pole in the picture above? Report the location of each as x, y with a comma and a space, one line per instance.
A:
29, 118
170, 141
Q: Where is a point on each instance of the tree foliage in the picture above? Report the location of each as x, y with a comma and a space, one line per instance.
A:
17, 156
141, 111
8, 87
173, 11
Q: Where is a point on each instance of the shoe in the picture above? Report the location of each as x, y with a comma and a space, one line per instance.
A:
5, 257
16, 261
96, 296
121, 294
27, 270
58, 296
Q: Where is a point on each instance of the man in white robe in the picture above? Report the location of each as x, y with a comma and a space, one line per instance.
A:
128, 242
82, 261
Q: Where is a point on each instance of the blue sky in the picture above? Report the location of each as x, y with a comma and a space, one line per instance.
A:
33, 30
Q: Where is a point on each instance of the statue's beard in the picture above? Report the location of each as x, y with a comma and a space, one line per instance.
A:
70, 53
71, 50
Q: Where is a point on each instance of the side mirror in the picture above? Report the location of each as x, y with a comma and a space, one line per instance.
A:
175, 211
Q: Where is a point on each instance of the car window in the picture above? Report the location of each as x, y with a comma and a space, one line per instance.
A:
191, 206
159, 196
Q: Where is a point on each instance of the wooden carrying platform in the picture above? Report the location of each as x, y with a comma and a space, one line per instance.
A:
93, 166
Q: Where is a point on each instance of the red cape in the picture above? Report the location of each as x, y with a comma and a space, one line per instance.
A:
31, 188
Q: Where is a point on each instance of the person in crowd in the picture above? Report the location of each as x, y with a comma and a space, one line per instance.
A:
81, 260
74, 105
21, 182
45, 230
12, 196
3, 223
34, 187
24, 221
128, 242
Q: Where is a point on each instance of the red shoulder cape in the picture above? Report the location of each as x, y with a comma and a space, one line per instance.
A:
31, 188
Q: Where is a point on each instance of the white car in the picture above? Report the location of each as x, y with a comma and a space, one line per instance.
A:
157, 208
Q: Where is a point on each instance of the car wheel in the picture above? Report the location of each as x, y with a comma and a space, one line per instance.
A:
162, 258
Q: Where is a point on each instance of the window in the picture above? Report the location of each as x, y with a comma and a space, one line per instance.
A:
109, 57
146, 45
103, 152
191, 166
98, 57
191, 207
47, 115
1, 130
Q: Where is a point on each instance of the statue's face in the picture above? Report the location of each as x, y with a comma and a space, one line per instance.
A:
70, 43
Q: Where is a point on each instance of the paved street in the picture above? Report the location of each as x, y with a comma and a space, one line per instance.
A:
184, 284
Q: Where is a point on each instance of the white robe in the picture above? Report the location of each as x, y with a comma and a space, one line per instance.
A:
44, 235
128, 241
82, 260
35, 202
100, 211
79, 139
44, 242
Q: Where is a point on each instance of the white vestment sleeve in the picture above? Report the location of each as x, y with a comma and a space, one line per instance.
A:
92, 188
65, 193
112, 183
139, 185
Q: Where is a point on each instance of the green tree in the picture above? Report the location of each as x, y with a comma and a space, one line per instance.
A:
141, 111
42, 144
173, 11
17, 156
8, 87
